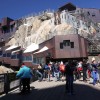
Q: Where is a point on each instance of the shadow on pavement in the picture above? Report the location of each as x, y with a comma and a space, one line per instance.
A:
82, 92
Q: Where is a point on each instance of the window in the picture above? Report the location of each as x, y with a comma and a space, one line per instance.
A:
61, 45
38, 60
0, 53
66, 42
23, 58
13, 56
93, 15
88, 13
4, 55
42, 60
8, 54
72, 44
18, 56
27, 58
34, 60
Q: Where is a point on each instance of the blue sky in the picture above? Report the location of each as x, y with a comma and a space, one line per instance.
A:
16, 9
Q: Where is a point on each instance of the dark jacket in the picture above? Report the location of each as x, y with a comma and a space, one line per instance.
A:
85, 66
69, 68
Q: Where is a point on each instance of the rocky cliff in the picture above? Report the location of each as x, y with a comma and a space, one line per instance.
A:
36, 29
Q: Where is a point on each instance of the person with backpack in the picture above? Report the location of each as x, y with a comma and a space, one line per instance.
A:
46, 70
62, 70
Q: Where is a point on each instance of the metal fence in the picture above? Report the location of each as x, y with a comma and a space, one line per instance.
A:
8, 82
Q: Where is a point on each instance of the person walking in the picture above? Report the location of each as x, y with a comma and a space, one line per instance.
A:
40, 72
25, 74
56, 72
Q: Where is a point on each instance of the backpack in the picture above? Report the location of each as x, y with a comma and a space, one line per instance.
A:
46, 67
62, 68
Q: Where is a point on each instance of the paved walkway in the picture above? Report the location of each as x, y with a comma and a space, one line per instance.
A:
56, 91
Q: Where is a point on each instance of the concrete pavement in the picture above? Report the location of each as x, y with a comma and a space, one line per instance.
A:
56, 91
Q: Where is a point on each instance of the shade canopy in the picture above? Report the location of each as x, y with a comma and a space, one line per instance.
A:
31, 48
15, 51
11, 47
41, 50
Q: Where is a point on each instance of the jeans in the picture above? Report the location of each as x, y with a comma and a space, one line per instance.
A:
94, 81
40, 76
56, 74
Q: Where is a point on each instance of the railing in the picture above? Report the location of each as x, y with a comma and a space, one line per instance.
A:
2, 83
37, 14
8, 81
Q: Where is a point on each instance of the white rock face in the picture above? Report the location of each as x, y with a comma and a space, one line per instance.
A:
4, 69
37, 29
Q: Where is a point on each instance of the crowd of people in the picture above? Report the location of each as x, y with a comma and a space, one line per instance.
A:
56, 70
69, 71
